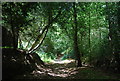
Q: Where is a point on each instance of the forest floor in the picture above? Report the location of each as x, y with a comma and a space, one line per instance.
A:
66, 70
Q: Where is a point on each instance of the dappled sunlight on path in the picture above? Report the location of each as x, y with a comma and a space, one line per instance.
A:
66, 69
60, 69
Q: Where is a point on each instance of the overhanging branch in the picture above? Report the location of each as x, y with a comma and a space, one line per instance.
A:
34, 46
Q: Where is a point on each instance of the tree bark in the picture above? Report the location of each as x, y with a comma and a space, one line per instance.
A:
89, 38
15, 45
41, 34
114, 30
76, 48
14, 28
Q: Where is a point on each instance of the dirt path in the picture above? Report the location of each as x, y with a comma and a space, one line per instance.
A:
67, 70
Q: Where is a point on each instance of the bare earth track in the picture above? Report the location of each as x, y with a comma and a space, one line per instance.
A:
66, 70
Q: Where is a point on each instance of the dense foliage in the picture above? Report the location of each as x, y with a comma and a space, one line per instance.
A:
51, 29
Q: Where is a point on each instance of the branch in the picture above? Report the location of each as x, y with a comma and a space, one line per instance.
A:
31, 50
34, 46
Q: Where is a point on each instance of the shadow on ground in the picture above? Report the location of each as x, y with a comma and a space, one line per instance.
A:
66, 70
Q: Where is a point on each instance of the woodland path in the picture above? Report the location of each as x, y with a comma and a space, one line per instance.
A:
66, 70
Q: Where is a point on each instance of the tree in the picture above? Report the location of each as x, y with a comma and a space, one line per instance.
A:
38, 40
15, 17
76, 49
114, 31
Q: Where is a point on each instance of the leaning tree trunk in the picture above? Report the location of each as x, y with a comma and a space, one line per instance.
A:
39, 40
76, 49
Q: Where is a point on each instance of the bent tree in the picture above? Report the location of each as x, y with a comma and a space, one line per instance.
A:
40, 38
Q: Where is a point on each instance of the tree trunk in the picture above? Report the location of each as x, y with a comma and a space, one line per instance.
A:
14, 32
89, 38
117, 37
40, 39
114, 30
76, 49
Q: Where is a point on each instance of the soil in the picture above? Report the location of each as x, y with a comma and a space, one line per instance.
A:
66, 70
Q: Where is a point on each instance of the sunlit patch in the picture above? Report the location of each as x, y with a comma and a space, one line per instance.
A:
40, 72
14, 60
24, 75
73, 72
63, 61
37, 72
58, 75
63, 70
82, 67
